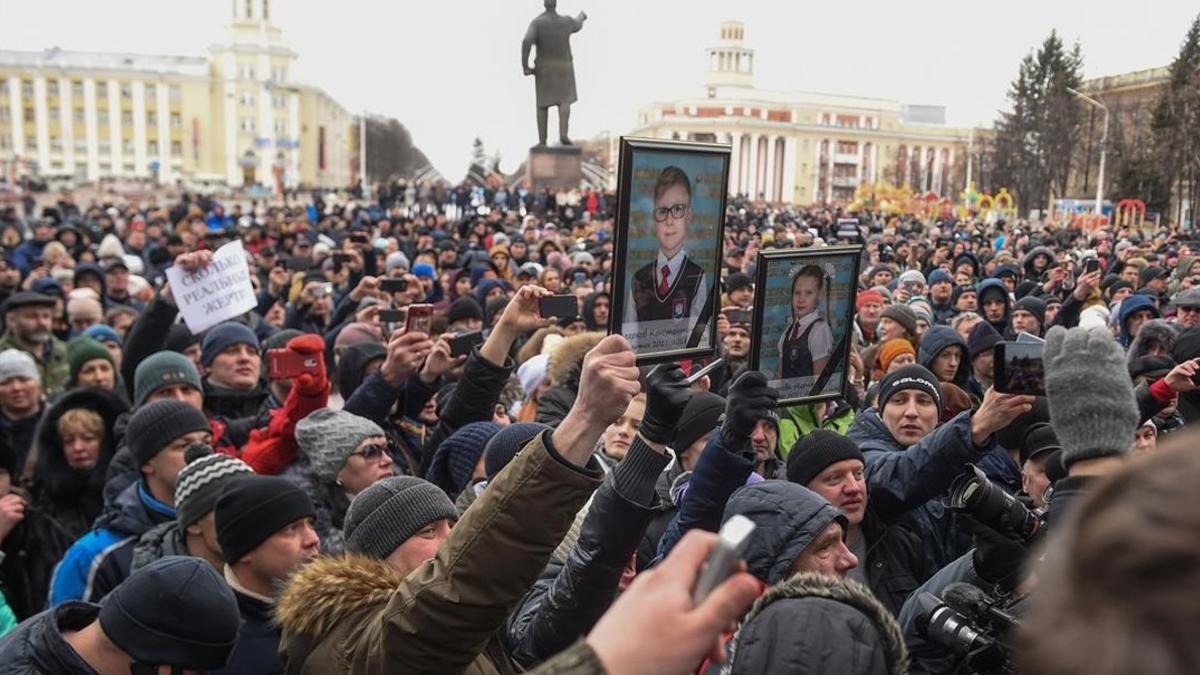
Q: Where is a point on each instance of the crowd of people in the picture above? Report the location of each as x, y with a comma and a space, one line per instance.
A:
539, 502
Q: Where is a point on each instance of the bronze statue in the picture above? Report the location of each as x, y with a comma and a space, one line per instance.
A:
554, 73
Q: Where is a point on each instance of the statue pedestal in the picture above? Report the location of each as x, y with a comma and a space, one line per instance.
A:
554, 168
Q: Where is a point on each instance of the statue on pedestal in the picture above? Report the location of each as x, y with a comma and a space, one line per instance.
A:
554, 72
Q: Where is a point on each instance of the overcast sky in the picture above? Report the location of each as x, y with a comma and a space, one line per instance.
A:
451, 71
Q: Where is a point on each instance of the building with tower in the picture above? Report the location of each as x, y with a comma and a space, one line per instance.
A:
808, 148
233, 117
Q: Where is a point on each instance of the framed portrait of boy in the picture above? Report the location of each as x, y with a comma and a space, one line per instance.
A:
803, 314
667, 247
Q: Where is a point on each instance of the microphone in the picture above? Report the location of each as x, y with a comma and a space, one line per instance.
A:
974, 604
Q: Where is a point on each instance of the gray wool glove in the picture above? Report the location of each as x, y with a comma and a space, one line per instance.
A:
1092, 408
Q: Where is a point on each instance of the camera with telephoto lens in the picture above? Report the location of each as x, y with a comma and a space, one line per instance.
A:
971, 625
988, 503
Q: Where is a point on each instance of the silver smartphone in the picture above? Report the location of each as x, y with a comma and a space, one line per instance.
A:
731, 545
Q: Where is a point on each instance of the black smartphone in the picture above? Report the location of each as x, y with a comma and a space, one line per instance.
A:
462, 343
739, 316
1091, 265
393, 285
358, 238
340, 260
393, 315
558, 307
1019, 368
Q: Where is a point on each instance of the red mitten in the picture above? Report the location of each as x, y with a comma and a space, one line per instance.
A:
310, 345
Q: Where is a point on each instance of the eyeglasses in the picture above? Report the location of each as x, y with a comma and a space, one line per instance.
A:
372, 454
677, 211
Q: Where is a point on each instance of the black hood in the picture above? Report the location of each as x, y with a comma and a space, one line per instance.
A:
589, 306
353, 365
52, 476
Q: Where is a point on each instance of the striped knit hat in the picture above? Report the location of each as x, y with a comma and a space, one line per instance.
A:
201, 482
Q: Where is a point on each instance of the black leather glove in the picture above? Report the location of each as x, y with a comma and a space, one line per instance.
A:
748, 400
998, 554
667, 392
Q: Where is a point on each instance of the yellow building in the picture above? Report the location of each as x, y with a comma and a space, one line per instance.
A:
234, 117
804, 148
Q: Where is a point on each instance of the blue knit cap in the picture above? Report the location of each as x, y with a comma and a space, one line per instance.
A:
224, 335
102, 333
505, 445
455, 459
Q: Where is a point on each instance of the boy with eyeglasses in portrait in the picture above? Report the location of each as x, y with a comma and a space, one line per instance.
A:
672, 288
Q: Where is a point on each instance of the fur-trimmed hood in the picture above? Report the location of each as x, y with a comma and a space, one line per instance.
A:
1158, 331
846, 630
566, 361
328, 590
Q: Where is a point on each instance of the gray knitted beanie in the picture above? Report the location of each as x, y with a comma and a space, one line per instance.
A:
1092, 408
327, 437
387, 513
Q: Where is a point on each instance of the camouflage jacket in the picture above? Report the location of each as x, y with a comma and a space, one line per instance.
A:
52, 364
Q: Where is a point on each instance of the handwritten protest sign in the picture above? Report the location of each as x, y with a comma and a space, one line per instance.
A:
214, 293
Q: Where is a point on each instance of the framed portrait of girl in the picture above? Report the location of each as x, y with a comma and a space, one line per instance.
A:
803, 314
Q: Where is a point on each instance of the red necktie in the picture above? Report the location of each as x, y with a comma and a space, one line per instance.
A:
663, 286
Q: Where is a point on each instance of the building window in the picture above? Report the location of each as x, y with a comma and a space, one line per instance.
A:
27, 87
266, 10
176, 149
76, 88
248, 13
53, 112
4, 142
847, 148
247, 72
126, 90
127, 146
30, 143
104, 146
28, 115
248, 124
151, 118
278, 73
102, 92
151, 92
152, 147
101, 117
127, 117
176, 120
4, 114
173, 92
3, 87
247, 100
52, 88
78, 116
80, 145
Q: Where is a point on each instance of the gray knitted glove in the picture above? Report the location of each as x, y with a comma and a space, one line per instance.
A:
1092, 408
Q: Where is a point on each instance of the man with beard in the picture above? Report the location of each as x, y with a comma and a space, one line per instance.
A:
28, 319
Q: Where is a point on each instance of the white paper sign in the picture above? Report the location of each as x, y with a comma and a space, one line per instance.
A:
214, 293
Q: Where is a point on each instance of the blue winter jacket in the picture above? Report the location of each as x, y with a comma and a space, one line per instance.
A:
908, 483
99, 560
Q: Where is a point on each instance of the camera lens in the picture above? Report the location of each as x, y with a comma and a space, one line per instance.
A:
973, 493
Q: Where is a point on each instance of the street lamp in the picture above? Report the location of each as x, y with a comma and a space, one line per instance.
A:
1103, 148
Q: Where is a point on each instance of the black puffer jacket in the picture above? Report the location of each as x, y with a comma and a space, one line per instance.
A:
161, 541
37, 645
64, 502
569, 598
815, 623
895, 563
